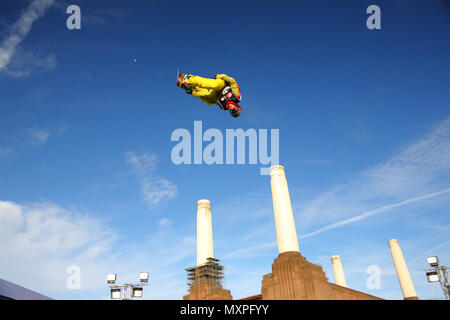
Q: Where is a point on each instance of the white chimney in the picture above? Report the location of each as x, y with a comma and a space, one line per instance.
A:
402, 270
204, 232
282, 209
338, 270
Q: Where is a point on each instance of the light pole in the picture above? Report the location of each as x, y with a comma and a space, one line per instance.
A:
127, 291
438, 273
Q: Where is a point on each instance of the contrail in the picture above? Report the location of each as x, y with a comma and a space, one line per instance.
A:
431, 251
20, 29
245, 251
372, 212
347, 221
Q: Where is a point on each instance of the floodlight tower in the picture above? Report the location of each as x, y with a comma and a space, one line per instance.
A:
127, 291
439, 274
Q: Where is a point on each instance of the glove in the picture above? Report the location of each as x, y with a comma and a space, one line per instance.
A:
189, 89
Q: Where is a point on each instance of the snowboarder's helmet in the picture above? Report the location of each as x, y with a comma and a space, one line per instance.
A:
235, 109
227, 96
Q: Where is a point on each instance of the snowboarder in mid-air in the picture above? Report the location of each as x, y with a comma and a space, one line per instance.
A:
222, 90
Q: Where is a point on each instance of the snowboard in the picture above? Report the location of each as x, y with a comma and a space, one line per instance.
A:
181, 79
182, 82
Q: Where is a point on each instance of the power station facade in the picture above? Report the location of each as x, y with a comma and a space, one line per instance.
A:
293, 277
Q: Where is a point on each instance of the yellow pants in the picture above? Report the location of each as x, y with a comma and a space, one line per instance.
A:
206, 89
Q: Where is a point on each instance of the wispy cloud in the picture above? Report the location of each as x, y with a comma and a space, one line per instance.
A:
3, 22
417, 165
17, 33
62, 129
431, 251
249, 251
39, 136
25, 63
103, 16
416, 169
373, 212
155, 189
165, 222
6, 154
315, 162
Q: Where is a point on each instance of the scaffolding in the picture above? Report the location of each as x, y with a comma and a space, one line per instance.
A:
208, 276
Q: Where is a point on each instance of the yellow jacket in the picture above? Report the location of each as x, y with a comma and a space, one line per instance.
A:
208, 90
232, 83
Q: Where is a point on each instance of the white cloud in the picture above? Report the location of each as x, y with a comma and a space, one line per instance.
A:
165, 222
62, 129
155, 189
17, 32
25, 63
39, 241
39, 136
10, 217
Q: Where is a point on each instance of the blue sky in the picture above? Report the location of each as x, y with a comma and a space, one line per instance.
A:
86, 176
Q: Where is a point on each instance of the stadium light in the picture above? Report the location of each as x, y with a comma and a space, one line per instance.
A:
116, 293
439, 274
143, 276
137, 292
433, 261
432, 276
128, 290
111, 278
